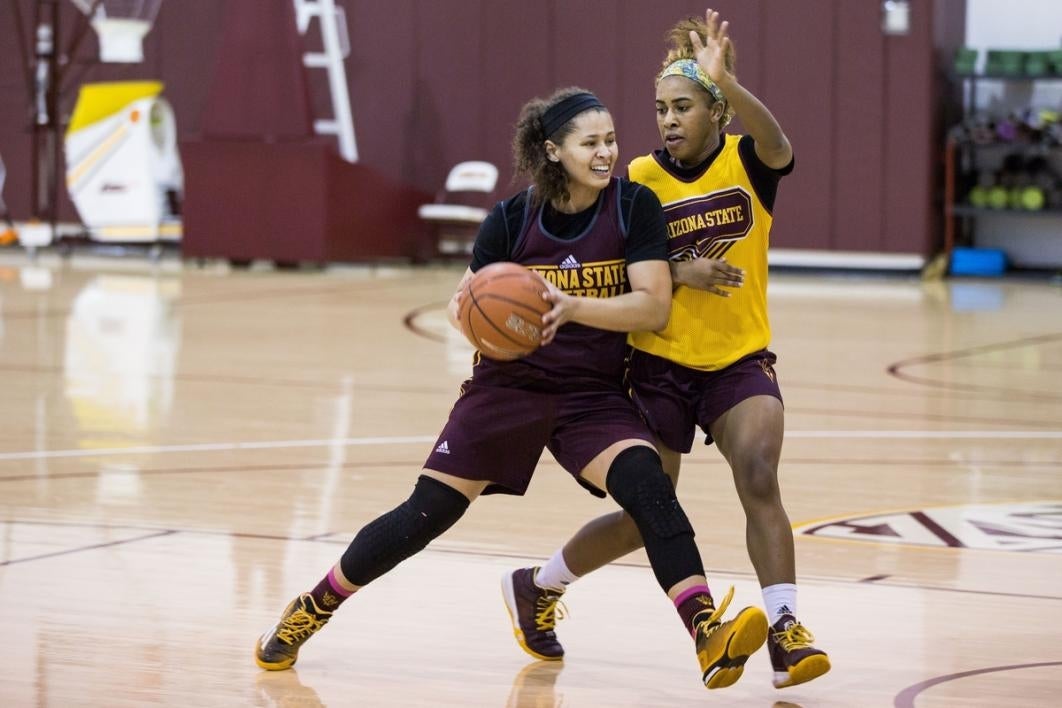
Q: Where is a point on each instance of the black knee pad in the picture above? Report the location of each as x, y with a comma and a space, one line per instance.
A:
431, 509
637, 482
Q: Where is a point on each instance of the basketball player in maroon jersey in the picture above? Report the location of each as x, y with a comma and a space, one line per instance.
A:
567, 396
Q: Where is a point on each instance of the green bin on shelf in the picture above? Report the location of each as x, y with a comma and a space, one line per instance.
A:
965, 61
1004, 62
1037, 64
1054, 57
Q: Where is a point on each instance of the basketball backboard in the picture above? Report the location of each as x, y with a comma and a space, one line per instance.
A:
120, 26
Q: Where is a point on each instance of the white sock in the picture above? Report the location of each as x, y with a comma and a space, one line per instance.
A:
555, 575
780, 600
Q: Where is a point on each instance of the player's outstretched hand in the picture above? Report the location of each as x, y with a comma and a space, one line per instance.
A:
713, 51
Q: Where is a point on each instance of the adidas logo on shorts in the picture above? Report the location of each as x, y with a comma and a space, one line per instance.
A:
443, 448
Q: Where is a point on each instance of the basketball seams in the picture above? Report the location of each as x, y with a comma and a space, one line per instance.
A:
533, 281
489, 321
486, 313
533, 285
515, 303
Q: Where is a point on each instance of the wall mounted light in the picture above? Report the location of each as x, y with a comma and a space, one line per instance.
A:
896, 17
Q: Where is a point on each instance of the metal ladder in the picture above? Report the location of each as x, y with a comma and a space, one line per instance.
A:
336, 42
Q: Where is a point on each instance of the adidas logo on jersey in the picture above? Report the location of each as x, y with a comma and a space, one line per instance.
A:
569, 263
443, 448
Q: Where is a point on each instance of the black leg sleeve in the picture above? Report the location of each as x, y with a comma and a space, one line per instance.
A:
637, 482
404, 531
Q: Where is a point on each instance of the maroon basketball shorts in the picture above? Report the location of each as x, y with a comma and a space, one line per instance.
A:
497, 433
674, 398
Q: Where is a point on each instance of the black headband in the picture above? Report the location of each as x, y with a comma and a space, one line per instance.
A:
563, 111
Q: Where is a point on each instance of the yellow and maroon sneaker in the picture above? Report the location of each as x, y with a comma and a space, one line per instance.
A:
724, 647
278, 648
793, 657
534, 612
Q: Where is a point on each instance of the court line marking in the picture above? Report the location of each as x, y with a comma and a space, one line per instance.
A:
897, 369
420, 439
91, 547
413, 463
928, 434
217, 447
323, 538
906, 697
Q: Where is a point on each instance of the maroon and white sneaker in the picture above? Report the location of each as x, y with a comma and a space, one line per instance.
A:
793, 657
534, 612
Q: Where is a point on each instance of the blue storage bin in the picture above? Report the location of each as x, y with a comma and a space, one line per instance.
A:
978, 261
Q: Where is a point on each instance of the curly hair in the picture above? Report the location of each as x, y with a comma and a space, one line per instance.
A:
529, 148
680, 47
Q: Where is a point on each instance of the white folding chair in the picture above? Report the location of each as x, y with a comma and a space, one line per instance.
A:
460, 207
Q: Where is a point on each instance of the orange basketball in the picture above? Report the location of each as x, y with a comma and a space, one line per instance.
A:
501, 310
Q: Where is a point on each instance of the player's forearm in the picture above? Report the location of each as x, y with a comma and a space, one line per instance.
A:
758, 122
679, 269
630, 312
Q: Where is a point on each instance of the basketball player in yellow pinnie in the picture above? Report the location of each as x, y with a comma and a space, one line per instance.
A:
710, 367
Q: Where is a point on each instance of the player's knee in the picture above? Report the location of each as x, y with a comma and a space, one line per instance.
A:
638, 484
757, 480
431, 509
437, 506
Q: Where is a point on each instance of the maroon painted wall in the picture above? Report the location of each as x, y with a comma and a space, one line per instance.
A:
436, 82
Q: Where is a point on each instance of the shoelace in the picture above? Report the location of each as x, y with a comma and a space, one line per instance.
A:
706, 625
299, 626
795, 636
550, 609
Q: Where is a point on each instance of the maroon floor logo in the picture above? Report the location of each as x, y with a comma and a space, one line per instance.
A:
1025, 527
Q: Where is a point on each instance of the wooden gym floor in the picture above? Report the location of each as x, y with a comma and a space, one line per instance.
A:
183, 450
